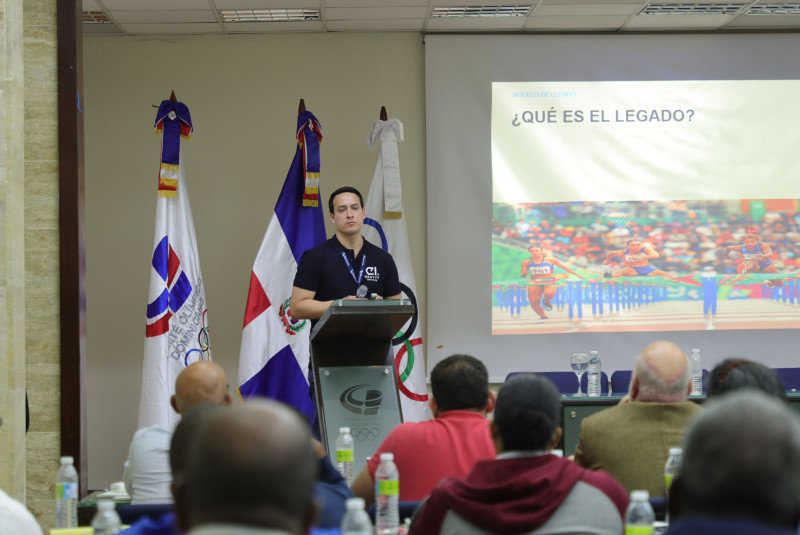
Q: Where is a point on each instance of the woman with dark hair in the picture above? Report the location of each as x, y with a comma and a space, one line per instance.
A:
736, 373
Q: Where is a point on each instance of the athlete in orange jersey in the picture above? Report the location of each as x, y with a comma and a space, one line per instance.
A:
541, 268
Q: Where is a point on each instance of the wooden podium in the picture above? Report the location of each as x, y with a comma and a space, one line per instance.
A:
355, 377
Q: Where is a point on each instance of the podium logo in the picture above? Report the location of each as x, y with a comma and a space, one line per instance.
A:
360, 399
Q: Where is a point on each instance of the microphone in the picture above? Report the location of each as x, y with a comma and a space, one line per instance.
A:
361, 293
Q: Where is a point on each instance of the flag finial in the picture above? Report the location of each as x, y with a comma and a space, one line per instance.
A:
302, 107
172, 96
384, 116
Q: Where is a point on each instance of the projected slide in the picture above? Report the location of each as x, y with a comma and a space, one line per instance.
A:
645, 206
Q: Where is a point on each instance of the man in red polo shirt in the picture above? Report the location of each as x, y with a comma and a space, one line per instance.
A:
450, 444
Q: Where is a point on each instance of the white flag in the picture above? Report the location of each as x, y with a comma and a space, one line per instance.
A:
385, 227
176, 333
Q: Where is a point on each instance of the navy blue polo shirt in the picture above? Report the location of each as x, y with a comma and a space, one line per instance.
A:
325, 272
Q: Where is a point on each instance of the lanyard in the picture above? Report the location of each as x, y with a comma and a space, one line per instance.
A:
350, 267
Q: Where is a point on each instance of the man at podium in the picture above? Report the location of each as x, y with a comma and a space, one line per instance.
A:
345, 267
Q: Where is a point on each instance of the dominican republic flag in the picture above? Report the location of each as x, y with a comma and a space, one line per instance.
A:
176, 332
385, 227
274, 354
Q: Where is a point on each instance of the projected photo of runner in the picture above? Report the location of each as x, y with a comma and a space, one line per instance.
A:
645, 266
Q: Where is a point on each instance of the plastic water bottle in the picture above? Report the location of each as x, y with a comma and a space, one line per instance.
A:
387, 492
593, 388
639, 516
697, 372
345, 454
106, 521
67, 494
356, 521
673, 466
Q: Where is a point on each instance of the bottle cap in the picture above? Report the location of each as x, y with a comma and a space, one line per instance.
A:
693, 350
105, 505
344, 429
594, 352
67, 459
640, 496
676, 451
355, 504
387, 456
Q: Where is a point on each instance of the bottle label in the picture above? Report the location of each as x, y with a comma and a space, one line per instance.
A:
668, 480
388, 488
66, 490
638, 530
345, 456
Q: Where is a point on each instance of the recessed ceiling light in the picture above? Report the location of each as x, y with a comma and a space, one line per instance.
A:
692, 9
95, 17
481, 11
268, 15
792, 8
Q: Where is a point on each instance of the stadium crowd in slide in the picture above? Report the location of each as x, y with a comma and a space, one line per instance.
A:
689, 236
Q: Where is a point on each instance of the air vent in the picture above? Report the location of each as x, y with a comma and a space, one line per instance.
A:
692, 9
481, 11
269, 15
95, 17
774, 9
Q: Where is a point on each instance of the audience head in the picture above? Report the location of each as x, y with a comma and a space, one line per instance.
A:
660, 373
252, 465
186, 433
200, 383
527, 414
460, 382
741, 458
734, 374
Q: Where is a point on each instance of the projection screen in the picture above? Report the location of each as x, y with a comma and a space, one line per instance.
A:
654, 177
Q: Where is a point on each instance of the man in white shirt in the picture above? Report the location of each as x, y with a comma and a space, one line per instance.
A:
147, 471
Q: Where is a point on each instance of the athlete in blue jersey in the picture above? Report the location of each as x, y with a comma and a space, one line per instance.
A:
755, 257
541, 269
636, 260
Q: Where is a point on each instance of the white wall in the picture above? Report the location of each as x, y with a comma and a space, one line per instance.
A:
243, 93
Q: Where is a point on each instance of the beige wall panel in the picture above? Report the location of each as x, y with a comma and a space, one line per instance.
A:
243, 93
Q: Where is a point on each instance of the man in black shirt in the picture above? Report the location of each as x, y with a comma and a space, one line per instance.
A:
337, 268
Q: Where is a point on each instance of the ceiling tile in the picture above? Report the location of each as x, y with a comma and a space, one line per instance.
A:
376, 13
91, 5
475, 23
393, 25
575, 23
266, 4
765, 21
554, 10
274, 27
589, 3
160, 17
101, 29
371, 3
155, 5
172, 29
676, 22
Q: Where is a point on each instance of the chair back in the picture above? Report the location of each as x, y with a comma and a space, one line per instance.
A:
621, 381
790, 377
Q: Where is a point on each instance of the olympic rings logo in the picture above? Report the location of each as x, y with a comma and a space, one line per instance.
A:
361, 434
204, 353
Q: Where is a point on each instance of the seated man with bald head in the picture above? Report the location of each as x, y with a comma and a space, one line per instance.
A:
632, 440
147, 472
250, 470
